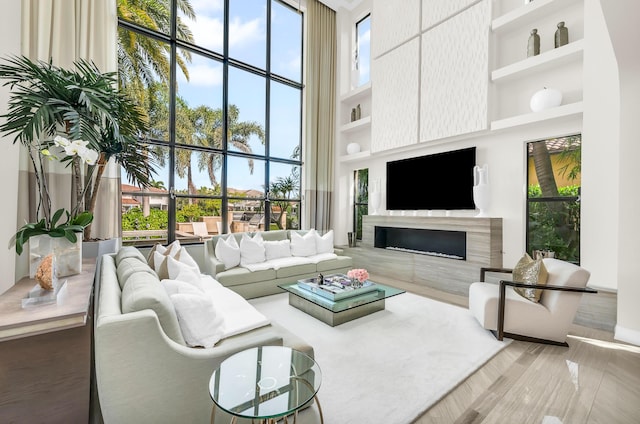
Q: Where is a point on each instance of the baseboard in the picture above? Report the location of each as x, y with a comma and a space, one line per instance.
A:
627, 335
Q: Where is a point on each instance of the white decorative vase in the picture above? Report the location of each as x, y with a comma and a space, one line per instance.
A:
353, 148
545, 99
68, 256
481, 189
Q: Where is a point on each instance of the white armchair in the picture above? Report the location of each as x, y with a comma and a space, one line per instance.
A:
498, 308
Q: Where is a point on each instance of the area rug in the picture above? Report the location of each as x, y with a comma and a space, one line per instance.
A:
390, 366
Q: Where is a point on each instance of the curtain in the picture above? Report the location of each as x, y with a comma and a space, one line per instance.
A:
320, 114
65, 31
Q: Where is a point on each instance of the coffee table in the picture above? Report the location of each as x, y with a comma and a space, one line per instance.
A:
265, 383
340, 311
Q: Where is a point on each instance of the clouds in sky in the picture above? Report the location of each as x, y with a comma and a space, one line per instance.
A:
208, 31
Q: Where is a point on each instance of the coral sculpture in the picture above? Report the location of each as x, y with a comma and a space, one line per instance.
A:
44, 274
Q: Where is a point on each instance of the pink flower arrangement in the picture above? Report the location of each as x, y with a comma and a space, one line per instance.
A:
359, 274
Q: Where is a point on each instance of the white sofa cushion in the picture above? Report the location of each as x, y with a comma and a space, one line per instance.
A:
228, 251
177, 286
303, 245
277, 249
237, 314
201, 325
324, 244
251, 249
144, 291
322, 257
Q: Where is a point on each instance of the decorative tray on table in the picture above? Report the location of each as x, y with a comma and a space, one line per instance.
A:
336, 287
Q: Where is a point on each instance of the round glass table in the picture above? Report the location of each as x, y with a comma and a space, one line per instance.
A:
265, 383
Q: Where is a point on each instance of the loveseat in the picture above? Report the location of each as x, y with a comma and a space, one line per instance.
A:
288, 256
145, 371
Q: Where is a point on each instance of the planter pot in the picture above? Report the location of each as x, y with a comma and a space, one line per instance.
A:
68, 256
95, 249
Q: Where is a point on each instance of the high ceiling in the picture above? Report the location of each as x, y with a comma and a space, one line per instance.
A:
336, 4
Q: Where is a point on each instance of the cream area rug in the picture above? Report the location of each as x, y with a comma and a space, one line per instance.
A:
391, 366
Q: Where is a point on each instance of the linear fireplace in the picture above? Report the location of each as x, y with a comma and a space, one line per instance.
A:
442, 243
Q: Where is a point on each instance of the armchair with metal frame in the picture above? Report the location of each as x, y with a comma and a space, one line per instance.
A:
499, 308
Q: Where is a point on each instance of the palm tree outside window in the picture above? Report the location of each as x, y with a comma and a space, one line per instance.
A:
224, 102
553, 197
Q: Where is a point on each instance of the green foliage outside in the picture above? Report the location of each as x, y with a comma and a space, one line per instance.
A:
555, 225
362, 199
134, 219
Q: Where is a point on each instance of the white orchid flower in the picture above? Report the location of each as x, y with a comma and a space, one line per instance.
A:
89, 156
75, 147
60, 141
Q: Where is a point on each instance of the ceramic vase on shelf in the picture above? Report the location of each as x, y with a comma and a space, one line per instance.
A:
374, 197
562, 35
68, 256
533, 45
545, 99
481, 189
353, 148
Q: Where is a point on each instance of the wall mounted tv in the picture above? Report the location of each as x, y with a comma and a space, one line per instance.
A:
442, 181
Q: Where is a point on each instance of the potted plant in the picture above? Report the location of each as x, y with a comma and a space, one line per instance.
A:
76, 116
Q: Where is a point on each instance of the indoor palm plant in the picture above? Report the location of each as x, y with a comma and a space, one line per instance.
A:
78, 117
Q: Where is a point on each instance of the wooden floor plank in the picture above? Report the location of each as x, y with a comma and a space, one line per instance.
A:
595, 380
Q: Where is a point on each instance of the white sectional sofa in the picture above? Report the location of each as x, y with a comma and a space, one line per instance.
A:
145, 371
288, 256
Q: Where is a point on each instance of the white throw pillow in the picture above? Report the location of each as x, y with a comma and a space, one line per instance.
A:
177, 286
324, 244
184, 257
277, 249
303, 245
170, 250
160, 265
228, 251
171, 269
251, 249
186, 274
198, 320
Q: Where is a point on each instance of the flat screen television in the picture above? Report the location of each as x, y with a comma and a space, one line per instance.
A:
442, 181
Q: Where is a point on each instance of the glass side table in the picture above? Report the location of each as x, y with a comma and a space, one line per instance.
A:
265, 383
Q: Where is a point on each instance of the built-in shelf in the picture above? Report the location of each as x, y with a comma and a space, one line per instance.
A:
359, 93
529, 13
544, 115
547, 60
356, 156
358, 125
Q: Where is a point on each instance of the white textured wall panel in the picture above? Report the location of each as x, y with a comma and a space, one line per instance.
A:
434, 11
454, 80
395, 78
392, 23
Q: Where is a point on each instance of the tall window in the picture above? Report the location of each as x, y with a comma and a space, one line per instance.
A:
221, 82
553, 200
363, 49
360, 199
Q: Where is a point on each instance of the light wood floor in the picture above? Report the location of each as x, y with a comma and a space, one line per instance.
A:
594, 380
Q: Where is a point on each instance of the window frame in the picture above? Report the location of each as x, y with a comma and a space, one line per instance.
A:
555, 199
174, 44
